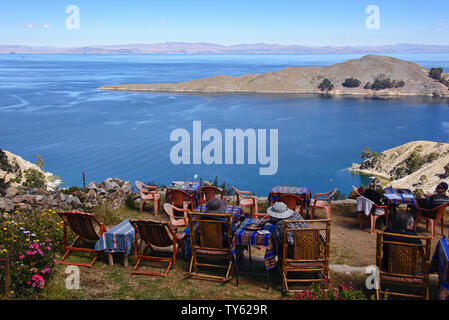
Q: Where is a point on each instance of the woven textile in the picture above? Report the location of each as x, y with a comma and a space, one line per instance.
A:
303, 193
117, 239
398, 196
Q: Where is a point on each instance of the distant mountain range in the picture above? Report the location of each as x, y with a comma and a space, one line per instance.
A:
211, 48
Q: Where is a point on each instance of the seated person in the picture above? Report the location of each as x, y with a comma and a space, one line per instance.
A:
372, 194
434, 200
214, 205
402, 225
278, 213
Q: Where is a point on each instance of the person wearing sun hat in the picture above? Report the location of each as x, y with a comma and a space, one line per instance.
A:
279, 213
438, 198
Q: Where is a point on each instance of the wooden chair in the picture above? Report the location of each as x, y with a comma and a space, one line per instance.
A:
323, 201
86, 227
154, 233
176, 222
439, 216
211, 244
310, 252
181, 199
245, 199
146, 194
292, 200
209, 192
407, 265
374, 214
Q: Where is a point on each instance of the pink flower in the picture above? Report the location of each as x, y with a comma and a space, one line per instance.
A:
22, 257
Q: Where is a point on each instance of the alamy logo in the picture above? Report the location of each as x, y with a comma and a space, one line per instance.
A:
73, 20
373, 20
73, 280
212, 153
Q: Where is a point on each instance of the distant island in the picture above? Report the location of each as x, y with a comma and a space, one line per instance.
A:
371, 75
212, 48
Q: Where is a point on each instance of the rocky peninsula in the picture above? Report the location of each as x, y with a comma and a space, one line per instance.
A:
391, 76
417, 164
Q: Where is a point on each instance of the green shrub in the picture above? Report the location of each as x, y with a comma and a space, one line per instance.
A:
414, 162
435, 73
72, 190
418, 192
326, 85
351, 83
384, 83
34, 179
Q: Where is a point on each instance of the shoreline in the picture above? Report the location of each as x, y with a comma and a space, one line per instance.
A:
376, 95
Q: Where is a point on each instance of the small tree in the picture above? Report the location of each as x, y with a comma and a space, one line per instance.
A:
435, 73
446, 170
326, 85
351, 83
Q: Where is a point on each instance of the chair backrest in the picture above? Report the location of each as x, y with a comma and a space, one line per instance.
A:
290, 200
403, 257
144, 189
310, 244
154, 232
178, 197
210, 227
326, 196
210, 192
169, 209
357, 191
439, 210
85, 225
240, 194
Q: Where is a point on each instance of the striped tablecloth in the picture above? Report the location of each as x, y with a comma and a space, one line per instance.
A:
398, 196
192, 188
302, 192
246, 237
440, 265
236, 211
117, 239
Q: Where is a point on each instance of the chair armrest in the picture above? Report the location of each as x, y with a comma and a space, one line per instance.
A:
246, 192
148, 187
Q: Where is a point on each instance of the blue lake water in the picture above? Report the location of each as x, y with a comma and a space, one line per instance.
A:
50, 106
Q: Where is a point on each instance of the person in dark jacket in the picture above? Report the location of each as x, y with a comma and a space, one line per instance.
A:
434, 200
372, 194
402, 225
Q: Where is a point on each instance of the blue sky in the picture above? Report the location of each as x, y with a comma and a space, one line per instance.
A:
310, 23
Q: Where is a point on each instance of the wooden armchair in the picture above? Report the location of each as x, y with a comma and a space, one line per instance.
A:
439, 216
245, 199
292, 201
209, 192
211, 244
310, 252
86, 227
323, 201
148, 193
406, 264
154, 233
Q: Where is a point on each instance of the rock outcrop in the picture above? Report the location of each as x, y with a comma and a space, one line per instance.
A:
305, 80
417, 164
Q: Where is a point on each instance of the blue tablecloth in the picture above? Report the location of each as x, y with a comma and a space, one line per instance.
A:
117, 239
236, 211
246, 237
398, 196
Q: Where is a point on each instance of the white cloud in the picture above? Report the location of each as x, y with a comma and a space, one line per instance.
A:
37, 26
31, 26
439, 25
46, 25
99, 22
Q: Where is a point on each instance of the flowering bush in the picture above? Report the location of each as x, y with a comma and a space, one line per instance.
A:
28, 243
316, 292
